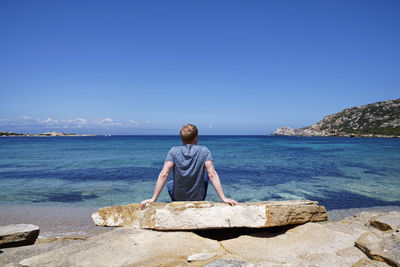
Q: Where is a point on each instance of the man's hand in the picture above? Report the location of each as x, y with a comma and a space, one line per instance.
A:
144, 202
214, 178
231, 202
162, 178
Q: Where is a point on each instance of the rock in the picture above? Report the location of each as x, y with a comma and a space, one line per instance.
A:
287, 131
380, 119
129, 247
60, 239
201, 256
229, 263
389, 221
309, 244
14, 235
381, 247
366, 262
12, 256
52, 134
211, 215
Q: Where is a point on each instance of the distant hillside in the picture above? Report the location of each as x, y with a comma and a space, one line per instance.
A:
12, 134
380, 119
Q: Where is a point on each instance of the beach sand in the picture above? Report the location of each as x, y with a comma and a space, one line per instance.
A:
53, 221
62, 221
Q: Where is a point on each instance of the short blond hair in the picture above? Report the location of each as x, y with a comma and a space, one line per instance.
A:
188, 133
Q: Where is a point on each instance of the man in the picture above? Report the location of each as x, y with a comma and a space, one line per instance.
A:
189, 162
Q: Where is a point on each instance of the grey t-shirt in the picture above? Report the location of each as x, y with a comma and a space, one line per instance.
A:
189, 171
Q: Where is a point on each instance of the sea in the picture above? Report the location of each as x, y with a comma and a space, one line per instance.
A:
97, 171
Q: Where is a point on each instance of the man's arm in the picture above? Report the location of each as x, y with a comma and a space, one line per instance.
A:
213, 175
162, 178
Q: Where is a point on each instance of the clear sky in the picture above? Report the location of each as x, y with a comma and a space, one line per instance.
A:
228, 66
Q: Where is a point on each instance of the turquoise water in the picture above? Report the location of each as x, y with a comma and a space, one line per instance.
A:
340, 173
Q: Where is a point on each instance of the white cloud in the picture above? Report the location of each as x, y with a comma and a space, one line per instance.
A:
133, 122
24, 117
29, 120
108, 122
48, 121
79, 122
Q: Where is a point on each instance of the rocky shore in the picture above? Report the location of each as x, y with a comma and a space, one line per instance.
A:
46, 134
364, 239
380, 119
310, 132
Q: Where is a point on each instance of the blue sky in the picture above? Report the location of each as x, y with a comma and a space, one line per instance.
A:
230, 67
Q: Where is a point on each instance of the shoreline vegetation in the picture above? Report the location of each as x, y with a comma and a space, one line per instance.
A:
46, 134
379, 119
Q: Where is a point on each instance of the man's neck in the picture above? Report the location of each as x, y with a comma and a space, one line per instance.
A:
191, 143
194, 142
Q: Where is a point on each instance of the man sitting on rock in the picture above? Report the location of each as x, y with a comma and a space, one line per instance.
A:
189, 162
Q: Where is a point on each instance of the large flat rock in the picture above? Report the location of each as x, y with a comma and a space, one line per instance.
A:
14, 235
10, 257
131, 247
211, 215
311, 244
385, 222
384, 247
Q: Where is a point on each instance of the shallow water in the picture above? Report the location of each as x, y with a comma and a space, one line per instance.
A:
340, 173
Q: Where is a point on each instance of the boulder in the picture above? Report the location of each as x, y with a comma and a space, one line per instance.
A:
229, 263
130, 247
12, 256
286, 131
389, 221
366, 262
201, 256
211, 215
309, 244
14, 235
384, 247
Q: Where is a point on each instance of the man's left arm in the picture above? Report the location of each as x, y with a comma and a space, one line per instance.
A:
162, 178
216, 182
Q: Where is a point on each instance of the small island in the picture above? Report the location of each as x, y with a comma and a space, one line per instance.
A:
380, 119
46, 134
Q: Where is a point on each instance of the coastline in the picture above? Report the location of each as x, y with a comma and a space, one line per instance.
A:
343, 135
41, 135
67, 221
47, 134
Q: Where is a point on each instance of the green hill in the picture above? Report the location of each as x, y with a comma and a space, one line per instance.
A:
376, 119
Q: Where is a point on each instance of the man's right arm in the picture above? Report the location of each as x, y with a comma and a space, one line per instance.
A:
162, 178
216, 182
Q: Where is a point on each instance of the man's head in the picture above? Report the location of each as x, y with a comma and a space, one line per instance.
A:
189, 134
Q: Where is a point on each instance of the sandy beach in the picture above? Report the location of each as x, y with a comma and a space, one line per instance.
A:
53, 221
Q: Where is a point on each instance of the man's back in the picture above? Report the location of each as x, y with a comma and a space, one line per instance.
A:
189, 171
190, 163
